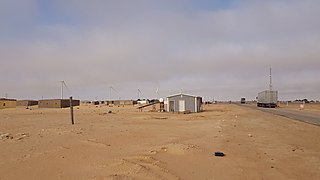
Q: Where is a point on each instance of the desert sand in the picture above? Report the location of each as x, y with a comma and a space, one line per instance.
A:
129, 144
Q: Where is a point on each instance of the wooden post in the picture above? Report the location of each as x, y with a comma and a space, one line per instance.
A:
71, 110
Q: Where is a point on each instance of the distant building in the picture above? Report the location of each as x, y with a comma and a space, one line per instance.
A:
57, 103
27, 103
129, 102
123, 102
95, 102
85, 102
184, 102
243, 100
7, 103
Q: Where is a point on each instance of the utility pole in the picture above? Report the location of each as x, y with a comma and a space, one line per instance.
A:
110, 88
157, 92
62, 82
71, 110
270, 85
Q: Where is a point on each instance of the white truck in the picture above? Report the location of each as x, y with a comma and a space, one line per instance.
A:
267, 98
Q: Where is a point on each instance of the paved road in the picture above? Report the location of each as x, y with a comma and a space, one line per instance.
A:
308, 117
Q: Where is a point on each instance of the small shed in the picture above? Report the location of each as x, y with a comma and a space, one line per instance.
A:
184, 102
7, 103
57, 103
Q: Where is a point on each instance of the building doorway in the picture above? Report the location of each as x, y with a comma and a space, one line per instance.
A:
171, 106
182, 105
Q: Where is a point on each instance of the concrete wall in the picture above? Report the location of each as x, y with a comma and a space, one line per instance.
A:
8, 103
66, 103
129, 102
27, 103
50, 103
57, 103
116, 102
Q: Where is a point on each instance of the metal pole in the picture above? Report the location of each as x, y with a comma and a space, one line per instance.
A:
71, 110
270, 85
61, 89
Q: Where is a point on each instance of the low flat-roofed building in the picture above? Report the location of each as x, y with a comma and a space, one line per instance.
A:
7, 103
123, 102
27, 103
57, 103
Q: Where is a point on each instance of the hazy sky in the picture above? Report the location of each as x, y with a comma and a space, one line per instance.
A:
213, 48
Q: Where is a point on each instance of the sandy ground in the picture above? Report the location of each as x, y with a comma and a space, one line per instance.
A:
128, 144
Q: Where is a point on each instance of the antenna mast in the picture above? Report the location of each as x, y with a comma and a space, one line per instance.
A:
139, 93
157, 92
111, 88
62, 82
270, 85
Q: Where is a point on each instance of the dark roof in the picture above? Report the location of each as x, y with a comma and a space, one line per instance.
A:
5, 99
